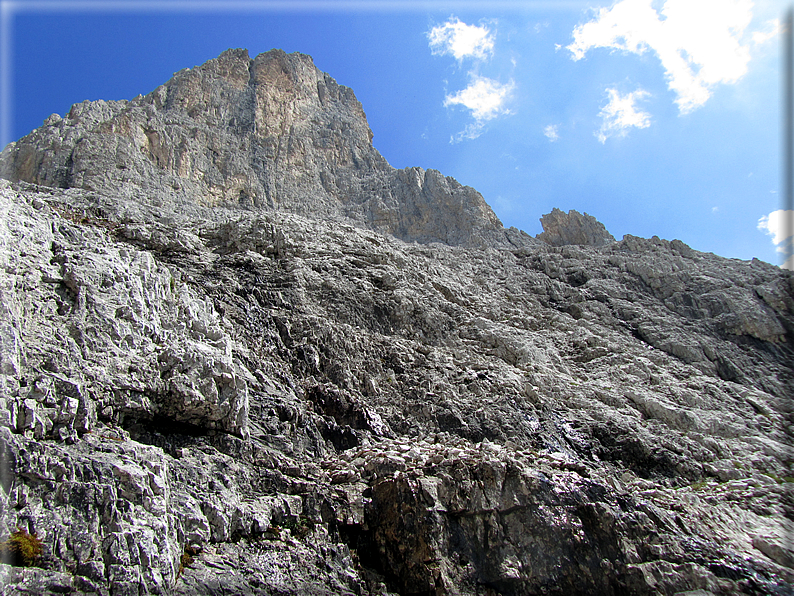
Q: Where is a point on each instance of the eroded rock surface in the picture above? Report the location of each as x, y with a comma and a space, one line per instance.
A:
272, 132
204, 398
562, 229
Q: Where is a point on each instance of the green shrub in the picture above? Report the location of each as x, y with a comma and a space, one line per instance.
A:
21, 549
186, 560
299, 527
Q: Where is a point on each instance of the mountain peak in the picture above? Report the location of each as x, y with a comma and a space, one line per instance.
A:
269, 133
561, 229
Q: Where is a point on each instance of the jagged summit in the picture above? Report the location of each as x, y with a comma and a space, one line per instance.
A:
271, 132
562, 229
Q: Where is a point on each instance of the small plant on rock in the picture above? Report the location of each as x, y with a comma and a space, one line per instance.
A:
21, 549
186, 560
299, 527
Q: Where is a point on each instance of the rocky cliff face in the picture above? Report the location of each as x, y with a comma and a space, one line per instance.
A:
201, 396
271, 132
562, 229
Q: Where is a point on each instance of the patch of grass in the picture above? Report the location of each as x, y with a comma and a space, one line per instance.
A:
186, 560
699, 485
21, 549
299, 527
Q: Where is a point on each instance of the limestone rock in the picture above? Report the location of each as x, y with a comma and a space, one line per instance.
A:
561, 229
269, 133
199, 397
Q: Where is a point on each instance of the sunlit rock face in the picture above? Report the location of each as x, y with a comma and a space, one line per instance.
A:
561, 229
258, 360
271, 133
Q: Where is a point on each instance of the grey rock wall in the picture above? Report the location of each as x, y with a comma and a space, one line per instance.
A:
561, 229
199, 396
314, 408
270, 133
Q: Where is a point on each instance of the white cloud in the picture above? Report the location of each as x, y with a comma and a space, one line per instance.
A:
780, 225
697, 41
773, 29
461, 40
787, 249
620, 114
484, 97
777, 224
551, 132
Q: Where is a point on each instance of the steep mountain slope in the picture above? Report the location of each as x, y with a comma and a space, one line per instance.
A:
288, 394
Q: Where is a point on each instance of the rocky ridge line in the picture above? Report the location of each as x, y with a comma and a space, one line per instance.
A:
561, 229
270, 133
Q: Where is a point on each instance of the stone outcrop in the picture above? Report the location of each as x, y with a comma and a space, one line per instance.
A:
562, 229
272, 132
204, 397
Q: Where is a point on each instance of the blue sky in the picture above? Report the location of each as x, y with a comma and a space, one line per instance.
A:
658, 117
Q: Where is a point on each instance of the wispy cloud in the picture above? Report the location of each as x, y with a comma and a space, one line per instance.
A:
772, 30
697, 41
486, 98
552, 132
620, 114
460, 40
780, 225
